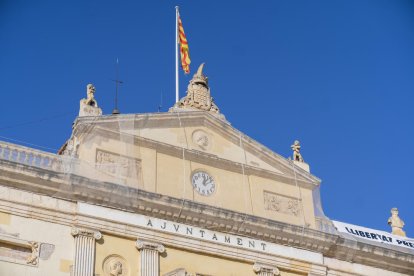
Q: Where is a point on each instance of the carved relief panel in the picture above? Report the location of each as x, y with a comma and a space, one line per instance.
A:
282, 204
115, 265
118, 165
201, 139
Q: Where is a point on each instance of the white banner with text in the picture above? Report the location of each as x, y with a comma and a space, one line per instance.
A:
374, 235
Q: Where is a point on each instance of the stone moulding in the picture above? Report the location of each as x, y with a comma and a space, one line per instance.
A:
19, 251
177, 272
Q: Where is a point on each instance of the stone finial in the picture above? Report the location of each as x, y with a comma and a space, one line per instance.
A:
198, 94
89, 105
296, 151
396, 223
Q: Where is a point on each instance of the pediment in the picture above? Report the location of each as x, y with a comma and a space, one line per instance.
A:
199, 136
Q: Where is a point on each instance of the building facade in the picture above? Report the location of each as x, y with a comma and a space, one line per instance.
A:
175, 193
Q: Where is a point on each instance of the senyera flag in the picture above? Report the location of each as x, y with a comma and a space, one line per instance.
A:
185, 55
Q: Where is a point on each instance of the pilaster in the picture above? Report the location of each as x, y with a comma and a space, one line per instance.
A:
150, 258
84, 251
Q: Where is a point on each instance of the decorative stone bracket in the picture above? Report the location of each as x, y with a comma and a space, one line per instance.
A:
34, 257
19, 251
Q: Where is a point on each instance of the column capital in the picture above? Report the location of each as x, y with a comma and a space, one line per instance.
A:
143, 244
264, 269
86, 232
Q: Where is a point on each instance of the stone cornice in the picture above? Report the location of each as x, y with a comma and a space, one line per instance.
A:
76, 188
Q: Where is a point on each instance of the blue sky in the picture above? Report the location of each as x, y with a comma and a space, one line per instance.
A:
337, 75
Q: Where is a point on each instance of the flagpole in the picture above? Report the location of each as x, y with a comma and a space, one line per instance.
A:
176, 55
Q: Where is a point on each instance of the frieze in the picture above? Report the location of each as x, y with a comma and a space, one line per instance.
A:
193, 232
205, 234
281, 204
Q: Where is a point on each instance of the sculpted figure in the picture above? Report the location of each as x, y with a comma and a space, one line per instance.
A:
198, 93
116, 269
90, 96
89, 106
296, 151
396, 223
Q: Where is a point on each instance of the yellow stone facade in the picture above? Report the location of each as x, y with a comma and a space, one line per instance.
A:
178, 193
121, 200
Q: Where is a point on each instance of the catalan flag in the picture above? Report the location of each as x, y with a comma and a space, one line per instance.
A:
185, 55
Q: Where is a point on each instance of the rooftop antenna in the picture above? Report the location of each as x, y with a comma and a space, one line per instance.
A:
160, 105
117, 82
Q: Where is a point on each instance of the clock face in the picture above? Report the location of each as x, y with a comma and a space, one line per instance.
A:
203, 183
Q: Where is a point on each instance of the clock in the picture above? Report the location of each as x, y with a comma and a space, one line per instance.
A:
203, 183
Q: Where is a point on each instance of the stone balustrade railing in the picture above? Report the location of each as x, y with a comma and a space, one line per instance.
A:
31, 157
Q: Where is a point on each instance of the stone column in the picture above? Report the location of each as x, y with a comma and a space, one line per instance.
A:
150, 259
265, 270
84, 264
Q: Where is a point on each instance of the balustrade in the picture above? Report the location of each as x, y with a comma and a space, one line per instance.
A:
30, 157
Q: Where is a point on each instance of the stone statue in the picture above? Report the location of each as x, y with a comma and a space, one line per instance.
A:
89, 106
116, 269
90, 95
296, 151
198, 94
396, 223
